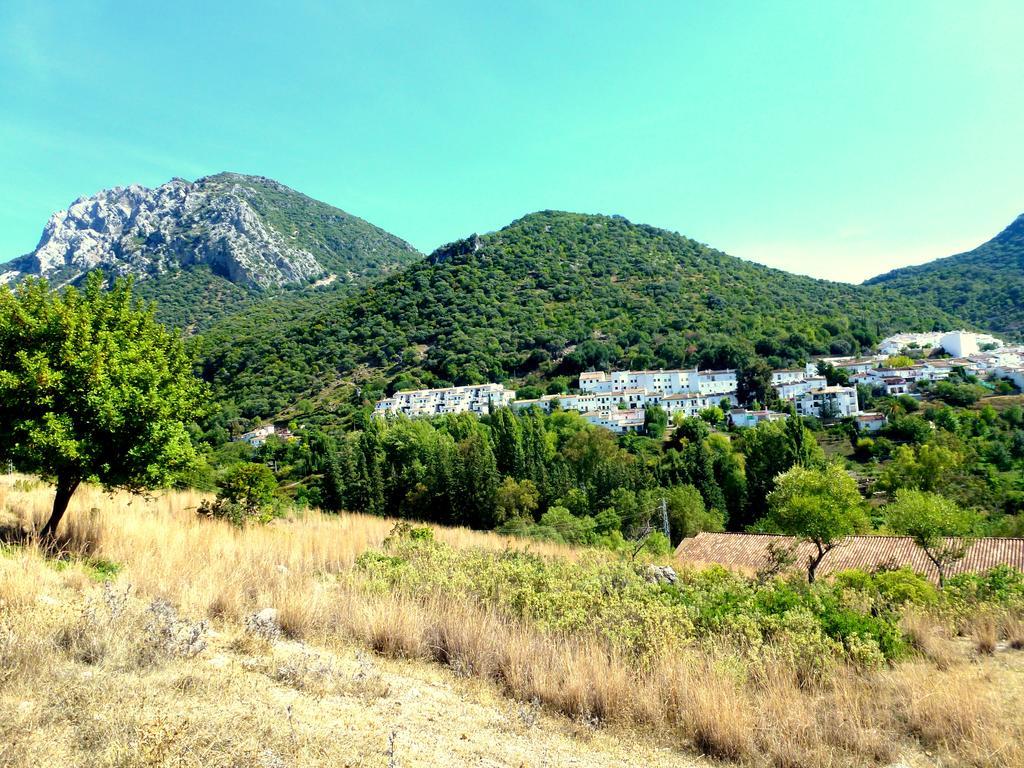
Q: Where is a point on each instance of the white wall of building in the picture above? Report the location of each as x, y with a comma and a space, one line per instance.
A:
815, 402
473, 398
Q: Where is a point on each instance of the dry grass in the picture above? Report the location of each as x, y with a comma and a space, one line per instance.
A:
930, 638
91, 677
985, 629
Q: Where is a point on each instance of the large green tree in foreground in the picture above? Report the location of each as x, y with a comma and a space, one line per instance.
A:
92, 388
941, 528
822, 506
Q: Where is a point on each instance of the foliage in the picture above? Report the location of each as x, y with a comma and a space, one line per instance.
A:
984, 286
754, 384
936, 524
821, 506
547, 296
92, 387
655, 421
854, 618
958, 394
898, 361
770, 449
247, 494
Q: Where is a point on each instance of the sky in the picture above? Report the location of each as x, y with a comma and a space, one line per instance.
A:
834, 139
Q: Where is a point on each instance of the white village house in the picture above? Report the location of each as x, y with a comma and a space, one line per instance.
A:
474, 398
828, 402
257, 437
742, 418
956, 343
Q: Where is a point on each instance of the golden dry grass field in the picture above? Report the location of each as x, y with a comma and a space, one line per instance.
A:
141, 647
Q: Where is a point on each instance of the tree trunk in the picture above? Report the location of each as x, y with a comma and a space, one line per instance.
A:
66, 487
814, 562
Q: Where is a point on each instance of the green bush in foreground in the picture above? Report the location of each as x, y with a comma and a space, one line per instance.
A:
247, 494
852, 618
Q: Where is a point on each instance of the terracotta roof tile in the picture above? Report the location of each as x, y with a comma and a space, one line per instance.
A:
750, 552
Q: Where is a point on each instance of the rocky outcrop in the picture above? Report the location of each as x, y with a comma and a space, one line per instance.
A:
661, 574
140, 231
460, 249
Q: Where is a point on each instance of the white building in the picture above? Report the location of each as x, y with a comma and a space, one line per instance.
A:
617, 420
690, 404
715, 382
666, 382
895, 385
858, 364
896, 343
964, 343
791, 390
869, 421
956, 343
671, 382
793, 375
474, 398
828, 402
741, 417
258, 436
1014, 373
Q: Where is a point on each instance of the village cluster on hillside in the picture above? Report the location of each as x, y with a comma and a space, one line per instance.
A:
617, 400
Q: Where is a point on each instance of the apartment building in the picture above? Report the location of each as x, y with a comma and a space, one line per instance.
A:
474, 398
828, 402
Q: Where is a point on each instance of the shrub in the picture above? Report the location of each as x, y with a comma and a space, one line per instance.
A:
816, 625
247, 494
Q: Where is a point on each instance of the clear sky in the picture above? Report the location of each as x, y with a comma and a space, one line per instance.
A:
837, 139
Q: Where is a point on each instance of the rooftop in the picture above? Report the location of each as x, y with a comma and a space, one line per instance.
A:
751, 552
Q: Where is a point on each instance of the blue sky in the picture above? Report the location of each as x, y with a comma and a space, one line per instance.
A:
829, 138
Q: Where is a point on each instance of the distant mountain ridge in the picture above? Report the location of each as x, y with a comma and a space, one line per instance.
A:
234, 235
984, 286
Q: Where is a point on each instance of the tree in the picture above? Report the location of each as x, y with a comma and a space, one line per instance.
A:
926, 469
655, 421
898, 361
507, 438
713, 415
822, 506
570, 529
515, 498
770, 449
687, 513
93, 388
833, 376
248, 492
755, 384
937, 525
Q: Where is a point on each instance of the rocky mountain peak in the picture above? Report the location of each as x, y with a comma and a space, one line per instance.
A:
253, 231
141, 231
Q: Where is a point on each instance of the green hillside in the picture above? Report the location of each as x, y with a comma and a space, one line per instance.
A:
549, 295
984, 286
350, 250
343, 244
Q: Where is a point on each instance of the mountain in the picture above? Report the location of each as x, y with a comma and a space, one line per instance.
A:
547, 296
210, 246
984, 286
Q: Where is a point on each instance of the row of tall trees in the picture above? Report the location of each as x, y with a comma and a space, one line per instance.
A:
513, 468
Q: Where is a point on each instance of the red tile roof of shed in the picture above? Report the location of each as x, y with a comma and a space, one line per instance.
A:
751, 552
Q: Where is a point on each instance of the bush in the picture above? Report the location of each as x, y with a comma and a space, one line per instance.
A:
247, 494
855, 619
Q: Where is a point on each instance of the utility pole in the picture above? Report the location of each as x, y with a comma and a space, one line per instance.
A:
664, 519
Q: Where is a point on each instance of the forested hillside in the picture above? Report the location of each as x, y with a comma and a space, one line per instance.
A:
549, 295
984, 286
